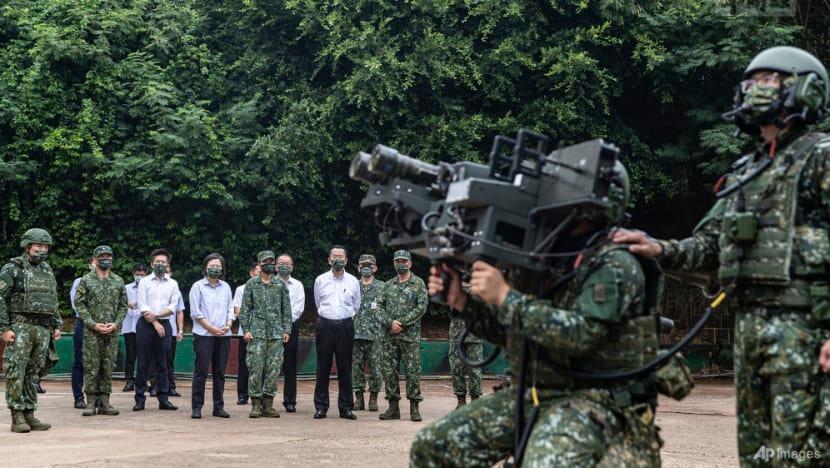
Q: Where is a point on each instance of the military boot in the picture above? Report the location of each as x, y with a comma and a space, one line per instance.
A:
268, 410
394, 411
105, 407
414, 414
256, 408
91, 405
473, 398
34, 423
19, 422
373, 401
462, 400
359, 404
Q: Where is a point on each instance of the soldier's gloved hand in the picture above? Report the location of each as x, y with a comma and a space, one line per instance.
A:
488, 283
56, 335
456, 298
641, 243
8, 337
824, 357
248, 337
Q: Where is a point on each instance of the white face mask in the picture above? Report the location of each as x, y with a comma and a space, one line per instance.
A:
137, 278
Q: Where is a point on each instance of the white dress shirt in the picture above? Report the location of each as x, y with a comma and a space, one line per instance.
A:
157, 294
237, 302
133, 314
213, 303
336, 298
72, 294
296, 295
174, 324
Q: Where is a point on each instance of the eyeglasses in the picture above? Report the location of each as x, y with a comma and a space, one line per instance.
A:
770, 80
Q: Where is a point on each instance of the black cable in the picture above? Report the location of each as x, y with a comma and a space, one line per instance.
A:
469, 362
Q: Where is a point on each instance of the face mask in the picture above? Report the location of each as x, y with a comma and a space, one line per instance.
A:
401, 269
38, 256
214, 272
285, 270
159, 269
137, 278
104, 264
338, 265
269, 268
366, 272
762, 103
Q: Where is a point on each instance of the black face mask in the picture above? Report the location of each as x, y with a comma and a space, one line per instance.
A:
104, 264
269, 268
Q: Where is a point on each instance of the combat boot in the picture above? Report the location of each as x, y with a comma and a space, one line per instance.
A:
359, 404
394, 411
91, 405
256, 408
414, 414
462, 400
34, 423
268, 410
473, 398
373, 401
105, 407
19, 422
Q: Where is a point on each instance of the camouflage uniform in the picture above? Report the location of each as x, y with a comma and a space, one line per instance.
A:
781, 300
464, 379
405, 302
100, 300
366, 338
598, 323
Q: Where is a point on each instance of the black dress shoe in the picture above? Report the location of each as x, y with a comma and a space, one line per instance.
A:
220, 413
290, 408
319, 414
166, 405
138, 407
39, 388
129, 386
174, 393
242, 401
80, 403
347, 414
196, 413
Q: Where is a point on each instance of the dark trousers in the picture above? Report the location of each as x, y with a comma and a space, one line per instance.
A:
129, 360
289, 366
169, 358
211, 353
242, 372
78, 363
334, 337
151, 347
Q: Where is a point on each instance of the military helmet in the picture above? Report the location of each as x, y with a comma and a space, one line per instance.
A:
35, 236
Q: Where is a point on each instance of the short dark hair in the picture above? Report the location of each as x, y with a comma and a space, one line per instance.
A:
286, 254
253, 266
213, 256
140, 267
157, 252
338, 246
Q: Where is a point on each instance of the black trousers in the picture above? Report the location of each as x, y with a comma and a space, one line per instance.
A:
334, 337
289, 366
211, 354
150, 347
169, 359
78, 364
242, 372
129, 360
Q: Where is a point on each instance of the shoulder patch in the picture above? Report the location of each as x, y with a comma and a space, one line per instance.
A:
599, 293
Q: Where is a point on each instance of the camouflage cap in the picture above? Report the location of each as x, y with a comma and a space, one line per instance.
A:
101, 250
265, 254
367, 258
402, 254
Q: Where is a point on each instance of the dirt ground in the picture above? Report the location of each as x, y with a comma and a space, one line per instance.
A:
699, 431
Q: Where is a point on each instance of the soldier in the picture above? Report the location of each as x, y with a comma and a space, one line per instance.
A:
599, 321
28, 319
266, 318
366, 335
465, 379
101, 301
767, 237
403, 303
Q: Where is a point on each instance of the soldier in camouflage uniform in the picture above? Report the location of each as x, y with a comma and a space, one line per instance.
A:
101, 302
465, 379
28, 319
403, 303
767, 236
366, 335
265, 316
600, 321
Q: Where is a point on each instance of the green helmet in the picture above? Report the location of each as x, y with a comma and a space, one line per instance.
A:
35, 236
804, 93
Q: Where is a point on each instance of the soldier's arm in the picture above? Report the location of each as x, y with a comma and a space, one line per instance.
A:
418, 310
6, 284
245, 312
81, 295
698, 252
383, 315
121, 311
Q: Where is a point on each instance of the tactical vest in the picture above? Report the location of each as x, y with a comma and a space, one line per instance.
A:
760, 232
39, 293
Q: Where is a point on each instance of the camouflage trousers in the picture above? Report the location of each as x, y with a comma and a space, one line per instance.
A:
264, 361
466, 379
569, 431
778, 389
99, 353
365, 352
393, 352
22, 362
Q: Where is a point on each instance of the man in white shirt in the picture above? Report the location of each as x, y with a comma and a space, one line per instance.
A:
337, 296
296, 294
158, 296
128, 327
78, 348
242, 354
